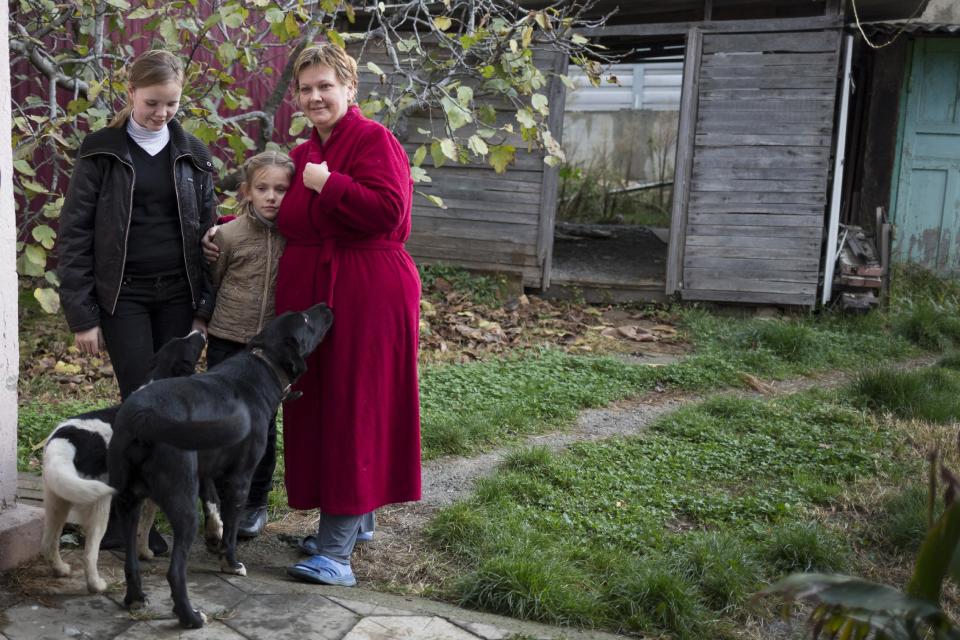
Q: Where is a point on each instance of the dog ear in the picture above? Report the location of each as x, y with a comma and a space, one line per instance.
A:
293, 362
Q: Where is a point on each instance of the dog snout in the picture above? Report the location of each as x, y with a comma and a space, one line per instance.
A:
320, 314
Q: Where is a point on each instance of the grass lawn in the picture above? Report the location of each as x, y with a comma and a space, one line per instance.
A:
672, 532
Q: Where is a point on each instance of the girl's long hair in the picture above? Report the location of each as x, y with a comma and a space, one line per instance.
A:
150, 68
255, 165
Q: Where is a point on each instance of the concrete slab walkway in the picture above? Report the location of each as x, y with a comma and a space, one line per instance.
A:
264, 605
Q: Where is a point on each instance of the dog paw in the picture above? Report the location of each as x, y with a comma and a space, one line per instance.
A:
96, 585
238, 569
194, 619
145, 554
135, 602
61, 569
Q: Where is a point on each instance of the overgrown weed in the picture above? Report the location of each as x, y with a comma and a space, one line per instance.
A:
929, 394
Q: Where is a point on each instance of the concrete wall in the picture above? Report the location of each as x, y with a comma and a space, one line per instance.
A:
632, 143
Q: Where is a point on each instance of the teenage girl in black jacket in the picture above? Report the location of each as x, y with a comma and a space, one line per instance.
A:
140, 198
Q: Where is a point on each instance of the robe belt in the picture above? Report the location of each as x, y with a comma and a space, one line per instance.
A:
328, 253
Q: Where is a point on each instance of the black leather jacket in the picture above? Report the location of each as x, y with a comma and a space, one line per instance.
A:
95, 221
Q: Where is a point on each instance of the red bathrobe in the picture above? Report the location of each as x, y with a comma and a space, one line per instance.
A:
351, 443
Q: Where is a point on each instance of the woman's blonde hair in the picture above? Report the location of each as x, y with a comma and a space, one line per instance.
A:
150, 68
255, 165
329, 55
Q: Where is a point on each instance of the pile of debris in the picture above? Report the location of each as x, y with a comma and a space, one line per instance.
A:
862, 278
456, 328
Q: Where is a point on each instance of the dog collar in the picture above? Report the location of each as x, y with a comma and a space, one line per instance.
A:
285, 382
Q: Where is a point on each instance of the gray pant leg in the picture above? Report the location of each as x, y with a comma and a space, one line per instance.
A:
368, 522
336, 535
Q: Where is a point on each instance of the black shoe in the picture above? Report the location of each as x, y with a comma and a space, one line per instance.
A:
252, 522
112, 539
156, 542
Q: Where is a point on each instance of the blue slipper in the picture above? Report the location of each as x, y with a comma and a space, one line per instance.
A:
309, 546
365, 536
323, 570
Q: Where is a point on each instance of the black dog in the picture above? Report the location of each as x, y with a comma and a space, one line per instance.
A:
225, 412
75, 466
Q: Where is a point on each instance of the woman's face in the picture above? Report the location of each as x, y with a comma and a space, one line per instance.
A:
323, 98
155, 105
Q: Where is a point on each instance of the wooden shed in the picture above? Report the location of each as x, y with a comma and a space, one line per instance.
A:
905, 135
756, 154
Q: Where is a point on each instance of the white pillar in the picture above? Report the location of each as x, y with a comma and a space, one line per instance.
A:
9, 342
20, 526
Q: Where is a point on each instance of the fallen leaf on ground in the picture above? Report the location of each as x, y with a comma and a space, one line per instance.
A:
634, 332
469, 332
755, 383
63, 367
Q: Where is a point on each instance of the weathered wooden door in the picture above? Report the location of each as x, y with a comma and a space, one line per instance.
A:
927, 206
751, 207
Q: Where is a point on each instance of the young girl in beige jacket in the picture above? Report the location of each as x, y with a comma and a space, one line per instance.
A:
245, 276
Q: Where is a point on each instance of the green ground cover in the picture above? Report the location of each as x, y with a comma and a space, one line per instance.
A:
672, 531
470, 407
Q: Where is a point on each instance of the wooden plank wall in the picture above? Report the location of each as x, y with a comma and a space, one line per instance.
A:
492, 222
761, 161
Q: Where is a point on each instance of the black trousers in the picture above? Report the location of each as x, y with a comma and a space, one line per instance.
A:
150, 311
218, 350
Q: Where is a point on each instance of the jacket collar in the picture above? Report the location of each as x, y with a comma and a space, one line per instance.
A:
113, 141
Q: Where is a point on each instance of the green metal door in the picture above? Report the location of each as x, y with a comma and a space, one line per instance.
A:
927, 209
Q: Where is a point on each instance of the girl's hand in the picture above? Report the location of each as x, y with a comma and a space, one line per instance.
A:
315, 175
210, 251
89, 341
199, 324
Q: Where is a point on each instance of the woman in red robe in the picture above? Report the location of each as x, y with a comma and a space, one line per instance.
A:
352, 440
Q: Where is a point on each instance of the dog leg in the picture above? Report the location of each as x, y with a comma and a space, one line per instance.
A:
181, 510
233, 499
95, 525
212, 523
147, 517
128, 514
56, 511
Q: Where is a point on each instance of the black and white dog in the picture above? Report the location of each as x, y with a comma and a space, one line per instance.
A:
75, 467
224, 413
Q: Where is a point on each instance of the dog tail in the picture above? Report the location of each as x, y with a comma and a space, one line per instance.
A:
61, 477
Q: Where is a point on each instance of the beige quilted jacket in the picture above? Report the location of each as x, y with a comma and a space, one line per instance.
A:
245, 277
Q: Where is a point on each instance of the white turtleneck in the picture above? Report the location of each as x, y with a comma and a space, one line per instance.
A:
150, 141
